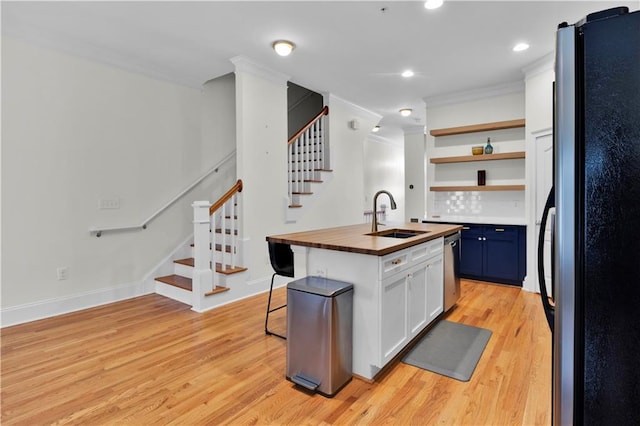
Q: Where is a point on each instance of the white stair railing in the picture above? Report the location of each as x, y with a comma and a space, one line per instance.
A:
215, 225
307, 156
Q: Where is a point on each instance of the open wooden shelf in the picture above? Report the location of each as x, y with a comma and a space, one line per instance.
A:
477, 188
482, 157
484, 127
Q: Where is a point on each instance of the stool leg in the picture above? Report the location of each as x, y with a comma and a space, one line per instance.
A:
269, 310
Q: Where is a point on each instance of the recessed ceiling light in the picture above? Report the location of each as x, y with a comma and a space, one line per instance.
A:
407, 74
433, 4
405, 112
283, 47
375, 129
520, 47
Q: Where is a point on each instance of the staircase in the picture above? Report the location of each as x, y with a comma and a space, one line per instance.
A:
308, 164
216, 242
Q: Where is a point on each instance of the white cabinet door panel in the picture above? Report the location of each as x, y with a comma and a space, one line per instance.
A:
417, 299
394, 316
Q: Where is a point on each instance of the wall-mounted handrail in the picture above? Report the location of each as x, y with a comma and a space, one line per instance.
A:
99, 230
226, 197
325, 111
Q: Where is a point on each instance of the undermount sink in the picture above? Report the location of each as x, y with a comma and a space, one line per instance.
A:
398, 233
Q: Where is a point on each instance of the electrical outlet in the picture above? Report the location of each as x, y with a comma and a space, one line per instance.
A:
63, 273
109, 203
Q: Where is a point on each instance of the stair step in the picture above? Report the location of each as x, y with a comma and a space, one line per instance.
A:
186, 284
217, 290
228, 270
177, 281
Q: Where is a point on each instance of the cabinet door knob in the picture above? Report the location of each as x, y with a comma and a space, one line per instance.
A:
479, 238
396, 261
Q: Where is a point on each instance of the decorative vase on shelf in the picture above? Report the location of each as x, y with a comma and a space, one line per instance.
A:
488, 149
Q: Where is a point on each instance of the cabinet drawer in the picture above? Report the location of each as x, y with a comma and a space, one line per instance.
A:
405, 258
394, 262
501, 233
472, 230
434, 247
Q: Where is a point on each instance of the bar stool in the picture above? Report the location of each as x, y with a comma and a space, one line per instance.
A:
281, 257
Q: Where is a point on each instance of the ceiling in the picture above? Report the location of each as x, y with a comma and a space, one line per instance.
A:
355, 50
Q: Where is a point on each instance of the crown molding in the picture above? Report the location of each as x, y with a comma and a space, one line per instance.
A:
474, 94
357, 109
81, 50
384, 141
543, 64
244, 64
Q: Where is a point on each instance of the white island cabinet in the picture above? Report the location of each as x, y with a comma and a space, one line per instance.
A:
410, 297
395, 296
398, 283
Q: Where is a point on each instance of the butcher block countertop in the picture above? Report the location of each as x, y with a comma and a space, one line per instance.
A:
354, 238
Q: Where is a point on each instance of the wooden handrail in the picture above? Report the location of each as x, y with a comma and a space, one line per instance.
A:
325, 111
230, 193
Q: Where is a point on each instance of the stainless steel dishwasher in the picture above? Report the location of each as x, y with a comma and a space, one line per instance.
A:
451, 270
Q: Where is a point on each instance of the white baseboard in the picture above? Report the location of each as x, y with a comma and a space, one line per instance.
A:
63, 305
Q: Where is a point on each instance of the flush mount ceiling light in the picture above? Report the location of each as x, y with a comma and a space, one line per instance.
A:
520, 47
375, 129
407, 74
283, 47
405, 112
432, 4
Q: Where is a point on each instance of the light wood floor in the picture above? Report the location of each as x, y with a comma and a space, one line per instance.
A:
151, 360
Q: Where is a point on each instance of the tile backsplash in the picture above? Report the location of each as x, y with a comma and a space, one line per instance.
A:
479, 203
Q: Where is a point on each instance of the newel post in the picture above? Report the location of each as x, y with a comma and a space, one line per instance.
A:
202, 274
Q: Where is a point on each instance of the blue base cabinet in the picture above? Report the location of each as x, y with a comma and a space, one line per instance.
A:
493, 253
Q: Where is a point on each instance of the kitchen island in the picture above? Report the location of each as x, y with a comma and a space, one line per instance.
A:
397, 274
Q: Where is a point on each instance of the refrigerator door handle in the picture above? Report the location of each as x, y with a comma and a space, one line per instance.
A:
548, 309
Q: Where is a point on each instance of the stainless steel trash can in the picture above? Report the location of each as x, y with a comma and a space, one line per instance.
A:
319, 334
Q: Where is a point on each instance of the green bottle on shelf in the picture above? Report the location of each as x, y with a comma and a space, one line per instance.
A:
488, 149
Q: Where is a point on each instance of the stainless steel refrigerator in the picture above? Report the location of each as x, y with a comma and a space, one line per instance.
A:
594, 311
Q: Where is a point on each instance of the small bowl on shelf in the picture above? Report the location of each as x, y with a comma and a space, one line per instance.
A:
477, 150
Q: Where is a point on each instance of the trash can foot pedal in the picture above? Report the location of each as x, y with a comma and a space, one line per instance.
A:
305, 382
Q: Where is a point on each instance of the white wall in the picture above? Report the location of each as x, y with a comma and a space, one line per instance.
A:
262, 164
539, 115
218, 120
384, 169
261, 114
415, 173
341, 201
73, 132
